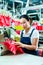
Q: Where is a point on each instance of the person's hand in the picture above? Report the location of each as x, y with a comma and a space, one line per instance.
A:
19, 44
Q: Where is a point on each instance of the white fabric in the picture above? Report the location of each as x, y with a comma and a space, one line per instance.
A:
35, 34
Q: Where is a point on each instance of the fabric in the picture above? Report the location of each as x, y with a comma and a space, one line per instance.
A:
10, 45
40, 52
4, 20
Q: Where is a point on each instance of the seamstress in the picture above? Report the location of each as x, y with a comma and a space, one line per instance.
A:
29, 36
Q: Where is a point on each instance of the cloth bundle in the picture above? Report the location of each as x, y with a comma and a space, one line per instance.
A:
11, 46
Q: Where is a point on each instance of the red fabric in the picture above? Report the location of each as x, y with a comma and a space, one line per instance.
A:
4, 20
18, 32
39, 27
1, 21
40, 52
12, 47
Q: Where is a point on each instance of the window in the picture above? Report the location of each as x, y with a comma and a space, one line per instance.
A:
34, 17
41, 13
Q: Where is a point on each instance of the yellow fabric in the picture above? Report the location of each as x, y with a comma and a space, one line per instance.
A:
18, 27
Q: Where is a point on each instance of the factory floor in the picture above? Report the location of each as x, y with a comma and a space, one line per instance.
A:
22, 59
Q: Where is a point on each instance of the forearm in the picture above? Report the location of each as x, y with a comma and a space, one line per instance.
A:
33, 46
29, 47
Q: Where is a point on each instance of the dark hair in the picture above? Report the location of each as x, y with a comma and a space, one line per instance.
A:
27, 18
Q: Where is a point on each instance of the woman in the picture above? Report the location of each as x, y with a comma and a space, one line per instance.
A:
29, 36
